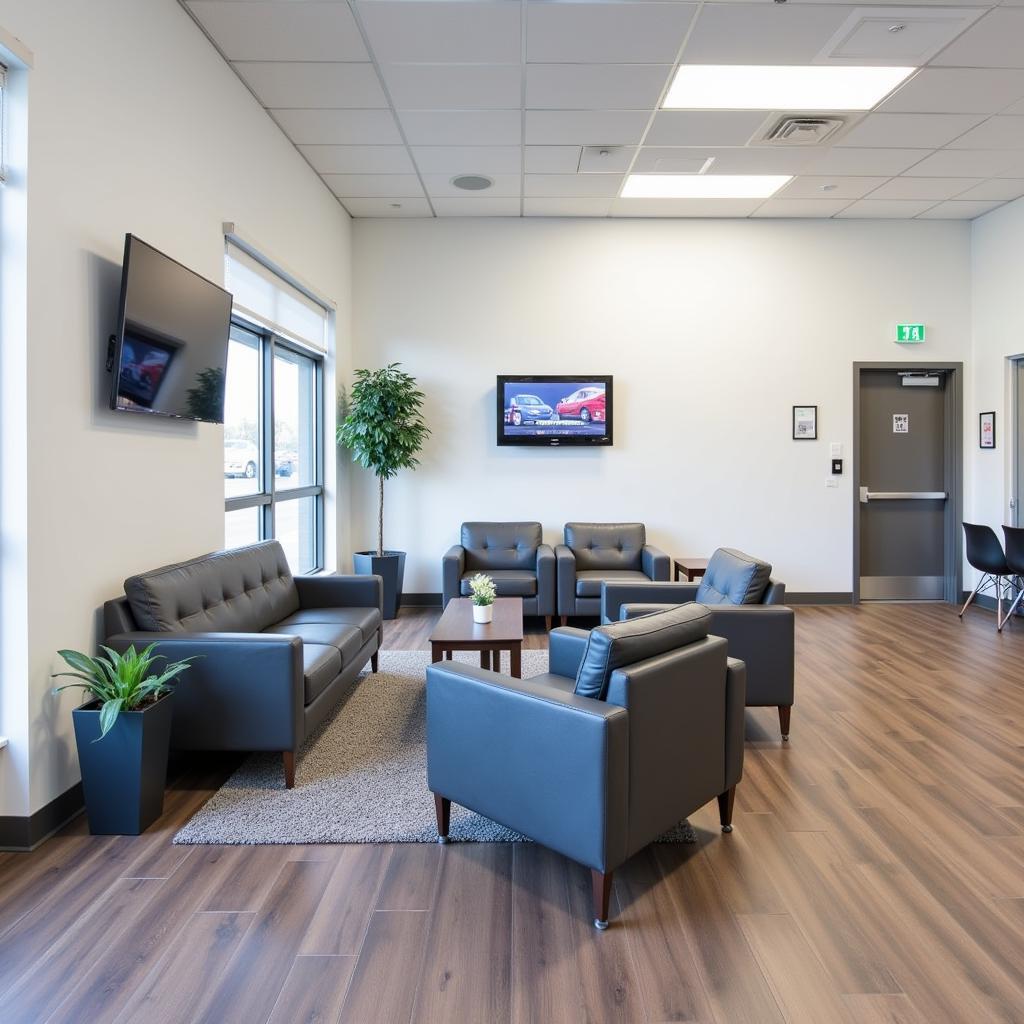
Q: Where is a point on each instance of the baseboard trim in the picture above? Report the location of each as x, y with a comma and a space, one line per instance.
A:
21, 834
822, 597
422, 600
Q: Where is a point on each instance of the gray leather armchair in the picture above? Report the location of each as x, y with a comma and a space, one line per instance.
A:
275, 652
747, 609
513, 554
635, 726
595, 553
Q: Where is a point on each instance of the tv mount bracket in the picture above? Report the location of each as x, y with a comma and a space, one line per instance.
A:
111, 351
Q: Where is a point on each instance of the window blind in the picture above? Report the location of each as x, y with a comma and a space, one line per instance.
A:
3, 124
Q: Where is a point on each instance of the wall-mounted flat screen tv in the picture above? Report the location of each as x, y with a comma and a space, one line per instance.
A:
171, 347
553, 411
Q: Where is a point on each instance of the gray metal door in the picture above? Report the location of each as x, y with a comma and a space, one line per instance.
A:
902, 487
1018, 491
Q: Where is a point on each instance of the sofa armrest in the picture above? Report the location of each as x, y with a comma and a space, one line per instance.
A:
566, 572
566, 647
336, 591
735, 725
614, 595
546, 572
548, 764
244, 691
655, 563
453, 565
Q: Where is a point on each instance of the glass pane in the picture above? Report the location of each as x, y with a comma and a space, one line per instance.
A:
242, 415
294, 419
295, 526
241, 527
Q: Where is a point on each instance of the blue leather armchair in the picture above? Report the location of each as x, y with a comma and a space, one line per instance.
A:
635, 726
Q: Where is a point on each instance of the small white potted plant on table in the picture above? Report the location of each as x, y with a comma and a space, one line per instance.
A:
483, 590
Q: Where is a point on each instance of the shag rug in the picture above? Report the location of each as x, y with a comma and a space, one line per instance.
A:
361, 778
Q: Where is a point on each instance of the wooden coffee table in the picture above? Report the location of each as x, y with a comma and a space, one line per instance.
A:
689, 567
456, 631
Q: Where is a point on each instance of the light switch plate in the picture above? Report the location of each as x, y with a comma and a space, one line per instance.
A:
831, 481
836, 450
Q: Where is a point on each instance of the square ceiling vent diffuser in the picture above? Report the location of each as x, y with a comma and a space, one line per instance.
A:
793, 130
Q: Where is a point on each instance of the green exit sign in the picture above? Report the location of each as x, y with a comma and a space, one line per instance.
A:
909, 334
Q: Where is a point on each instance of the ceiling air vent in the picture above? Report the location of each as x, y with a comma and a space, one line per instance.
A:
803, 131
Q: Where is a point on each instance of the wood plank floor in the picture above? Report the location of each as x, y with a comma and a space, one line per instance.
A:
875, 874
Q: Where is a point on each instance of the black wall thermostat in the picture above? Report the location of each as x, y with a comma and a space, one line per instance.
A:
837, 465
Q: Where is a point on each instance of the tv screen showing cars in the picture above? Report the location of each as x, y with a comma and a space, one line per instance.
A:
554, 410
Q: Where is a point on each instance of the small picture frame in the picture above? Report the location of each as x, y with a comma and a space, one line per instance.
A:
805, 423
987, 430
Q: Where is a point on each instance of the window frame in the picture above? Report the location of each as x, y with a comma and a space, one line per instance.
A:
269, 495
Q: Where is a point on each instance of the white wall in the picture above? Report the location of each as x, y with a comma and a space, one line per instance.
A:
713, 330
135, 124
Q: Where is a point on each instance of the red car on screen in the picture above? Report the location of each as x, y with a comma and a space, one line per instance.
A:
587, 404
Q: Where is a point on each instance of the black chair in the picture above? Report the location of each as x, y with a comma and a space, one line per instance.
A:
1015, 562
985, 553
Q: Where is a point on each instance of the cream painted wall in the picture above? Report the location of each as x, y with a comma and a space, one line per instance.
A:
135, 124
713, 330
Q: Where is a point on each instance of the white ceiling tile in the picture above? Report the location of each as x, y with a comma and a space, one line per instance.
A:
606, 159
972, 163
995, 41
401, 207
479, 32
468, 159
339, 127
851, 161
580, 185
922, 131
801, 207
1017, 109
462, 127
368, 186
995, 133
923, 188
359, 159
551, 159
886, 208
606, 33
761, 33
830, 188
566, 207
485, 206
958, 91
595, 86
684, 207
454, 86
704, 127
957, 210
996, 188
313, 84
736, 160
504, 185
585, 127
282, 30
867, 36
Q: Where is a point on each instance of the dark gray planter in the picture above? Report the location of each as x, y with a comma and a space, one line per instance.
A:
391, 568
125, 773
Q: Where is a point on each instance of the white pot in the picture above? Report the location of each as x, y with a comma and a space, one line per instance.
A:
483, 612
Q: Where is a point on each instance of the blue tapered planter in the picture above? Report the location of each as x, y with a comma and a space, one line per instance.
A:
391, 568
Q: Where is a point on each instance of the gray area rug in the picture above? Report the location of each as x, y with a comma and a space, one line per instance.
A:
361, 778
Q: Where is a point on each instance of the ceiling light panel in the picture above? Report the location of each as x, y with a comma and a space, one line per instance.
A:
774, 87
703, 186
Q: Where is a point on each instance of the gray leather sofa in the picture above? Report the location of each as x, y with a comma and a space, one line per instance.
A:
747, 609
635, 726
275, 652
595, 553
513, 554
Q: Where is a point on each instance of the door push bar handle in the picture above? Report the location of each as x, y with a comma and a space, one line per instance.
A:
866, 495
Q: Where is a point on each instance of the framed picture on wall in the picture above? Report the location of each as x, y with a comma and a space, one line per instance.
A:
805, 423
987, 430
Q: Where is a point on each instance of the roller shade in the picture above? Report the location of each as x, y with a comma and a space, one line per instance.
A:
3, 124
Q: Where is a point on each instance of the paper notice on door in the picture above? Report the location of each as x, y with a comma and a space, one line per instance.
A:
901, 422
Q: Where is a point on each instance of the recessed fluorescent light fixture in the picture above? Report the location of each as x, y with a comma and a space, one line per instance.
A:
703, 186
771, 87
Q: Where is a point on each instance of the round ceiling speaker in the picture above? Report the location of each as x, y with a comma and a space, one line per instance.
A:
472, 182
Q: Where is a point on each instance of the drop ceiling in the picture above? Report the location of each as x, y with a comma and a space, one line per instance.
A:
389, 100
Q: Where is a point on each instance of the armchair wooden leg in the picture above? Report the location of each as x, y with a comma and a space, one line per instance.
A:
563, 620
547, 623
602, 884
784, 710
374, 661
443, 809
288, 756
725, 802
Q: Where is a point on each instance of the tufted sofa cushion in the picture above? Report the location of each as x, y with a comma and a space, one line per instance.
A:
733, 577
606, 545
239, 591
501, 545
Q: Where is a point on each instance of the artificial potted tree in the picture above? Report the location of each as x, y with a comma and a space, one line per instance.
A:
384, 430
123, 734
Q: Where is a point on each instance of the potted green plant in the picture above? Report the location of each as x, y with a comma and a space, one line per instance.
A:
384, 430
123, 733
483, 592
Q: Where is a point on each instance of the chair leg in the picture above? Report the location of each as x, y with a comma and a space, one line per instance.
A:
288, 756
999, 601
784, 713
725, 802
1013, 608
563, 620
547, 623
974, 593
602, 885
374, 661
443, 810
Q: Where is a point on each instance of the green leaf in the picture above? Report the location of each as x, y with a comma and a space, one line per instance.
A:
108, 716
